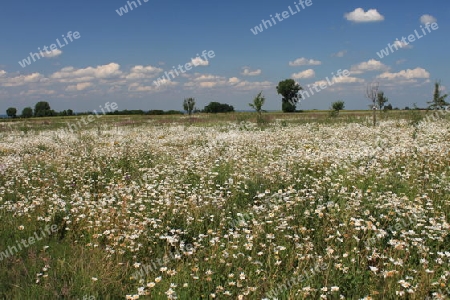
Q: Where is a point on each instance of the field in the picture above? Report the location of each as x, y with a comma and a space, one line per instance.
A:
299, 206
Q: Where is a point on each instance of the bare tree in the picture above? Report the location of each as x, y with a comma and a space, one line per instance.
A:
372, 94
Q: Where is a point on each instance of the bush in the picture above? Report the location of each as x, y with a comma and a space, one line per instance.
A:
216, 107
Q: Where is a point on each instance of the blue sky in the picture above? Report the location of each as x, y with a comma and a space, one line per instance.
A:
118, 58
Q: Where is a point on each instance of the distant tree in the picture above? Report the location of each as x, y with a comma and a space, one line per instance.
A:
381, 100
11, 112
42, 109
189, 105
70, 112
155, 112
372, 94
216, 107
289, 89
438, 101
27, 112
173, 112
336, 107
258, 103
388, 107
406, 107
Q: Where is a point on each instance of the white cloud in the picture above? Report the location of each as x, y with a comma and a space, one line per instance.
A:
339, 54
401, 44
52, 53
348, 80
78, 87
137, 87
199, 62
70, 74
21, 79
247, 72
258, 85
359, 16
338, 80
206, 77
204, 81
427, 19
417, 73
141, 72
370, 65
304, 62
305, 74
37, 92
234, 80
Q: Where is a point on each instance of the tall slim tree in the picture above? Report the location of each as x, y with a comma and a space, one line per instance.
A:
289, 90
438, 101
189, 105
258, 103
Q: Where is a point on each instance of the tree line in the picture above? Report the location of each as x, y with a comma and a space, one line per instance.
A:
41, 109
288, 89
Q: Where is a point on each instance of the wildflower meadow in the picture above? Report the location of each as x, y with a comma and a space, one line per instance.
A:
226, 209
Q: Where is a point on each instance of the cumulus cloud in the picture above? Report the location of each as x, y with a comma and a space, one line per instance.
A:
370, 65
253, 85
21, 79
137, 87
206, 77
417, 73
52, 53
70, 74
427, 19
339, 80
37, 92
199, 62
204, 81
304, 74
247, 72
78, 87
141, 72
304, 62
234, 80
360, 16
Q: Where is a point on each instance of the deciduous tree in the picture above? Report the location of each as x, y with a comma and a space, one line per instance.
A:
289, 89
